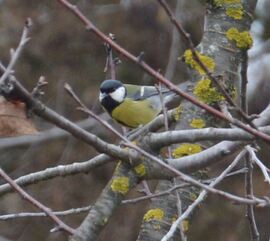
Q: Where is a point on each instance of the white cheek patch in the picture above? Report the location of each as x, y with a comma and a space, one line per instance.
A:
119, 94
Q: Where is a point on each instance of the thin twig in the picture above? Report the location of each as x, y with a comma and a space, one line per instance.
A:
154, 195
15, 54
110, 60
46, 135
256, 160
180, 212
43, 214
37, 90
36, 203
176, 187
244, 82
157, 76
164, 111
201, 197
254, 233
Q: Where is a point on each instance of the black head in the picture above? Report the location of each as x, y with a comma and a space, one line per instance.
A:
112, 93
110, 85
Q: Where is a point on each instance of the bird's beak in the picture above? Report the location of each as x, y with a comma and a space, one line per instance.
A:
102, 96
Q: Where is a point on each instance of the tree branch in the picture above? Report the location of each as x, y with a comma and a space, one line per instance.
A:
25, 195
166, 138
15, 55
43, 214
58, 171
201, 197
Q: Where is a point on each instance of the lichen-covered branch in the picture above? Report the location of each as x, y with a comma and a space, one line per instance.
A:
220, 53
110, 198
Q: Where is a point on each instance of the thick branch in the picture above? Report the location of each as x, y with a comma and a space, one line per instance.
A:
110, 198
36, 203
158, 140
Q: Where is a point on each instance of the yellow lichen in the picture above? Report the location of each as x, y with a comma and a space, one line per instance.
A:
186, 149
207, 61
224, 2
234, 94
177, 113
154, 214
231, 1
243, 39
192, 196
120, 185
156, 226
197, 123
185, 225
140, 170
105, 220
206, 93
235, 12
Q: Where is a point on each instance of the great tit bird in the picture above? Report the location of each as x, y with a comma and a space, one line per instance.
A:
131, 105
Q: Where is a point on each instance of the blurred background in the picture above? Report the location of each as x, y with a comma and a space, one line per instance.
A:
63, 51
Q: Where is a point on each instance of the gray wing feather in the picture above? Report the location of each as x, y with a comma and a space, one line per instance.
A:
143, 92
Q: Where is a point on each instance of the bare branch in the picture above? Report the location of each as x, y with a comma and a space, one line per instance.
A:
37, 91
36, 203
159, 194
15, 55
176, 187
43, 214
256, 160
201, 197
255, 235
58, 171
158, 140
46, 135
244, 82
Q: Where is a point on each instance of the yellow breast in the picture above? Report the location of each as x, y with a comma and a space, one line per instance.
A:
134, 113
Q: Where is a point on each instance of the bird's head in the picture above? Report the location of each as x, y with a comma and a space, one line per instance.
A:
112, 93
113, 89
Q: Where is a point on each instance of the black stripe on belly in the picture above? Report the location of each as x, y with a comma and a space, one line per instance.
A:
109, 104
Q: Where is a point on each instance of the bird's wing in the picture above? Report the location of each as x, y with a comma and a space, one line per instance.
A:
136, 92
